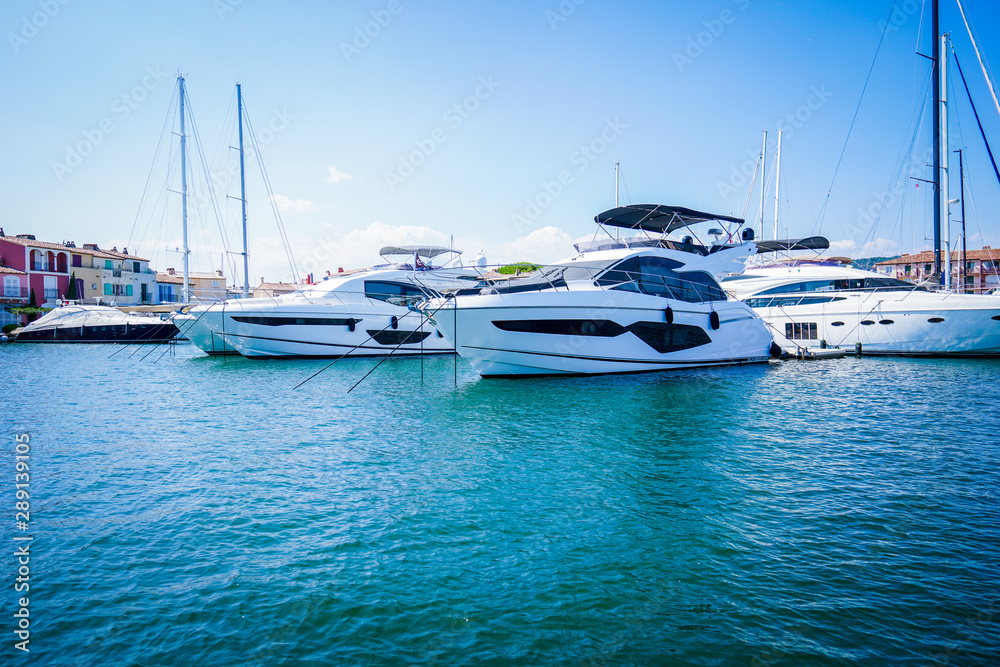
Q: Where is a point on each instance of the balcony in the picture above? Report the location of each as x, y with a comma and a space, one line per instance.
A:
15, 292
51, 294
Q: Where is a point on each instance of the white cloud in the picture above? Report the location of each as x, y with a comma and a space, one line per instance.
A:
298, 205
336, 176
880, 248
544, 245
876, 248
845, 246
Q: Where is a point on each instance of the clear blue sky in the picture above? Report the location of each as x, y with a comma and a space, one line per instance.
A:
371, 149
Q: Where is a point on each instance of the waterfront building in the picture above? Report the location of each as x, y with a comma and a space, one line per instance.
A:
274, 289
979, 274
101, 275
206, 287
44, 265
13, 292
106, 276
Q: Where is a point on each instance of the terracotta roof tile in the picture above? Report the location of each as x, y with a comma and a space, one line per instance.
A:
102, 253
927, 257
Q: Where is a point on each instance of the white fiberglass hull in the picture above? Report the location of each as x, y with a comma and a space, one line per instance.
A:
597, 332
326, 331
195, 327
895, 323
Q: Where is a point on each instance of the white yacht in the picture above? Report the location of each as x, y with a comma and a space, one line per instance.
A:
96, 324
646, 303
194, 325
364, 313
823, 302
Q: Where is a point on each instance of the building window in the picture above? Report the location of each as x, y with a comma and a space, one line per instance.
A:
77, 261
803, 331
107, 289
108, 265
906, 269
12, 287
167, 294
128, 290
927, 268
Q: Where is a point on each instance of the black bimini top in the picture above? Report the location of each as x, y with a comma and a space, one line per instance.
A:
658, 218
808, 243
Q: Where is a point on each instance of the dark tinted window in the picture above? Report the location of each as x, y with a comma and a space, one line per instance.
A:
397, 293
658, 276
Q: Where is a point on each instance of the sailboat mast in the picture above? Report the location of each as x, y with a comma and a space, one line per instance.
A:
961, 181
936, 83
944, 214
763, 181
243, 195
185, 295
777, 181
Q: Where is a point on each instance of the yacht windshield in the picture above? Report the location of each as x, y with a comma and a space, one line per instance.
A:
658, 276
399, 294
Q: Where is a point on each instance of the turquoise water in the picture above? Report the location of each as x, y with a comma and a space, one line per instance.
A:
187, 510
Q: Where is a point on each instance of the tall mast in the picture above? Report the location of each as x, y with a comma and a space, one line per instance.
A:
243, 195
777, 181
936, 82
943, 149
185, 295
961, 182
763, 181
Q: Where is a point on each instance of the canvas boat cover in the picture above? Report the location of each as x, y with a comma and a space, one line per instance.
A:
658, 218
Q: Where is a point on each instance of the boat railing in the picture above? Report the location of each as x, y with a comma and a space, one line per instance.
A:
561, 277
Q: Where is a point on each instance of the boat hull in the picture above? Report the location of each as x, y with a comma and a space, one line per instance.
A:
195, 327
894, 323
590, 333
159, 332
327, 332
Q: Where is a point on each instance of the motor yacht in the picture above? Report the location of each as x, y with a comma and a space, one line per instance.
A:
96, 324
813, 302
364, 313
646, 303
